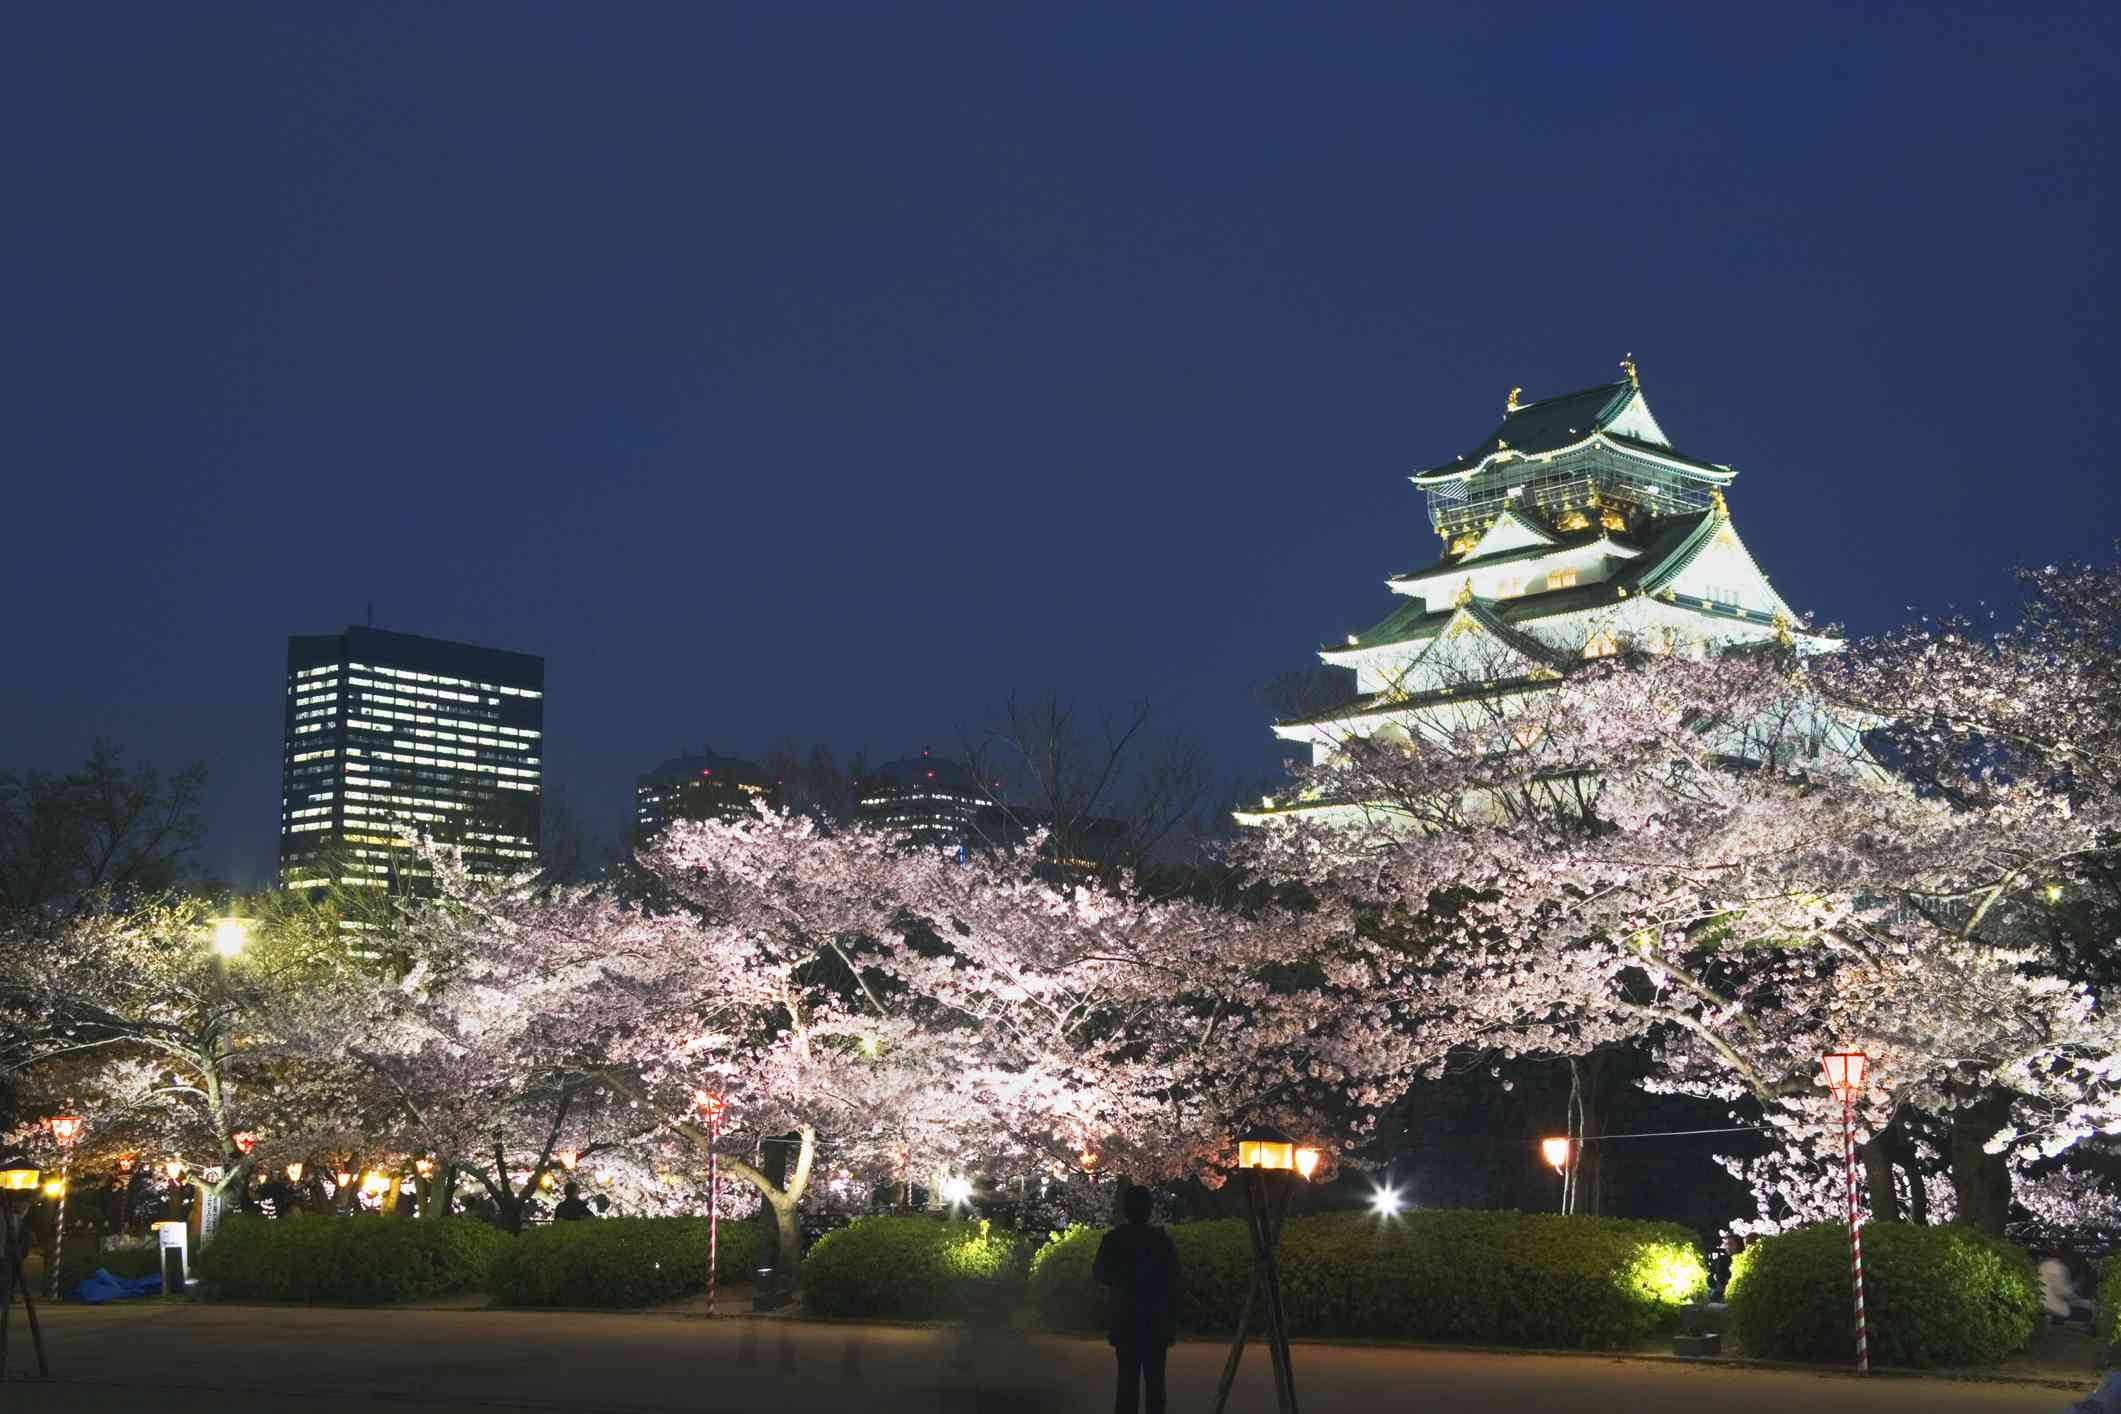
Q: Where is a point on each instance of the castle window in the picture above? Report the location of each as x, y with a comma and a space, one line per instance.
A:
1602, 645
1560, 579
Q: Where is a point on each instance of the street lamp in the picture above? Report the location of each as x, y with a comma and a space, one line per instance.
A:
1386, 1202
1268, 1163
294, 1173
175, 1169
1844, 1076
230, 934
710, 1107
14, 1184
65, 1129
1561, 1153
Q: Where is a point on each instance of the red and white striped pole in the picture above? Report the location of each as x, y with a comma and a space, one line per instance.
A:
1848, 1148
1844, 1076
711, 1106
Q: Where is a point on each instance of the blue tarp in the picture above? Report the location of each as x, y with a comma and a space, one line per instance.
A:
102, 1287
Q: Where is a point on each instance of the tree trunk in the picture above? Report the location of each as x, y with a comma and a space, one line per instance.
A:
1878, 1177
1982, 1180
1590, 1155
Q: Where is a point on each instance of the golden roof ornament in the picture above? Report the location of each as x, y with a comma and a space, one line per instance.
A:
1465, 593
1627, 366
1511, 405
1716, 501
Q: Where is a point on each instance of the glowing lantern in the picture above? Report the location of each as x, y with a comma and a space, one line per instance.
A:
424, 1167
294, 1173
1556, 1152
1844, 1073
19, 1180
1265, 1147
65, 1127
245, 1141
1307, 1161
175, 1169
55, 1189
375, 1184
343, 1178
568, 1158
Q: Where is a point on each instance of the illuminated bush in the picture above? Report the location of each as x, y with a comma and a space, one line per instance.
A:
621, 1262
1933, 1296
1503, 1278
909, 1268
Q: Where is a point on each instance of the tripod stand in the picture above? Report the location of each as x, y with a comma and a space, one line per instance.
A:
14, 1248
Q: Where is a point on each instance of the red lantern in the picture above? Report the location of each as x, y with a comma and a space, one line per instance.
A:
710, 1104
245, 1141
1844, 1073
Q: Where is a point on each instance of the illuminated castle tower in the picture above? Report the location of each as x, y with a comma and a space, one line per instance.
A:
1573, 529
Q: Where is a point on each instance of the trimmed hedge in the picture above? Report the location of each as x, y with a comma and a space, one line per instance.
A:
2107, 1312
909, 1268
356, 1261
620, 1262
1437, 1274
1932, 1295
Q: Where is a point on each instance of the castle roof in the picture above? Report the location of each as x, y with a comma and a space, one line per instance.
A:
1616, 412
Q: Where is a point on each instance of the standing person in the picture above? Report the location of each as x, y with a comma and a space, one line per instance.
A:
1140, 1264
572, 1209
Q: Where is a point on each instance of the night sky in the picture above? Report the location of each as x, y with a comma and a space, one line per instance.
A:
829, 373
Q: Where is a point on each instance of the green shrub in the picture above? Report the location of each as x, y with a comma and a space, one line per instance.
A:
1932, 1295
910, 1268
1505, 1278
357, 1261
80, 1260
621, 1262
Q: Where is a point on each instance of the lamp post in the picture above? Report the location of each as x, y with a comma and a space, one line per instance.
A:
65, 1129
1558, 1153
1268, 1163
15, 1185
1844, 1076
710, 1106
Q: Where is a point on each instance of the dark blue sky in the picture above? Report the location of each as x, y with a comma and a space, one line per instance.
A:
791, 370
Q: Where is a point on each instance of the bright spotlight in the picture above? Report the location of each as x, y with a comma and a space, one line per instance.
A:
1386, 1202
957, 1191
230, 934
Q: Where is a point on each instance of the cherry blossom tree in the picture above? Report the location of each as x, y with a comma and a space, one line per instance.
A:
1707, 857
126, 1014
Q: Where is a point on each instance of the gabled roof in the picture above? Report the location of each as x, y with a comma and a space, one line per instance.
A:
1557, 542
1673, 545
1614, 412
1545, 426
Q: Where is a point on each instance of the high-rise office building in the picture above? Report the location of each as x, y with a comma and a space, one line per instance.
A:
703, 787
388, 733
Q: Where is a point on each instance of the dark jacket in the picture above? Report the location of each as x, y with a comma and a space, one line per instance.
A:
1140, 1264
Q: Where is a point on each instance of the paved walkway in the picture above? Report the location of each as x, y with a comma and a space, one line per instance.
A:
228, 1359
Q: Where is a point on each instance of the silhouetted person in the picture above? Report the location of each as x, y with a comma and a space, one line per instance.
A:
1140, 1264
572, 1208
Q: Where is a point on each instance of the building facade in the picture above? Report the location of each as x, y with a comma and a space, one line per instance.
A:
931, 801
388, 734
1573, 530
704, 787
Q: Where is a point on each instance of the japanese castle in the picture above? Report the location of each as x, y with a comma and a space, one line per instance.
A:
1574, 529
